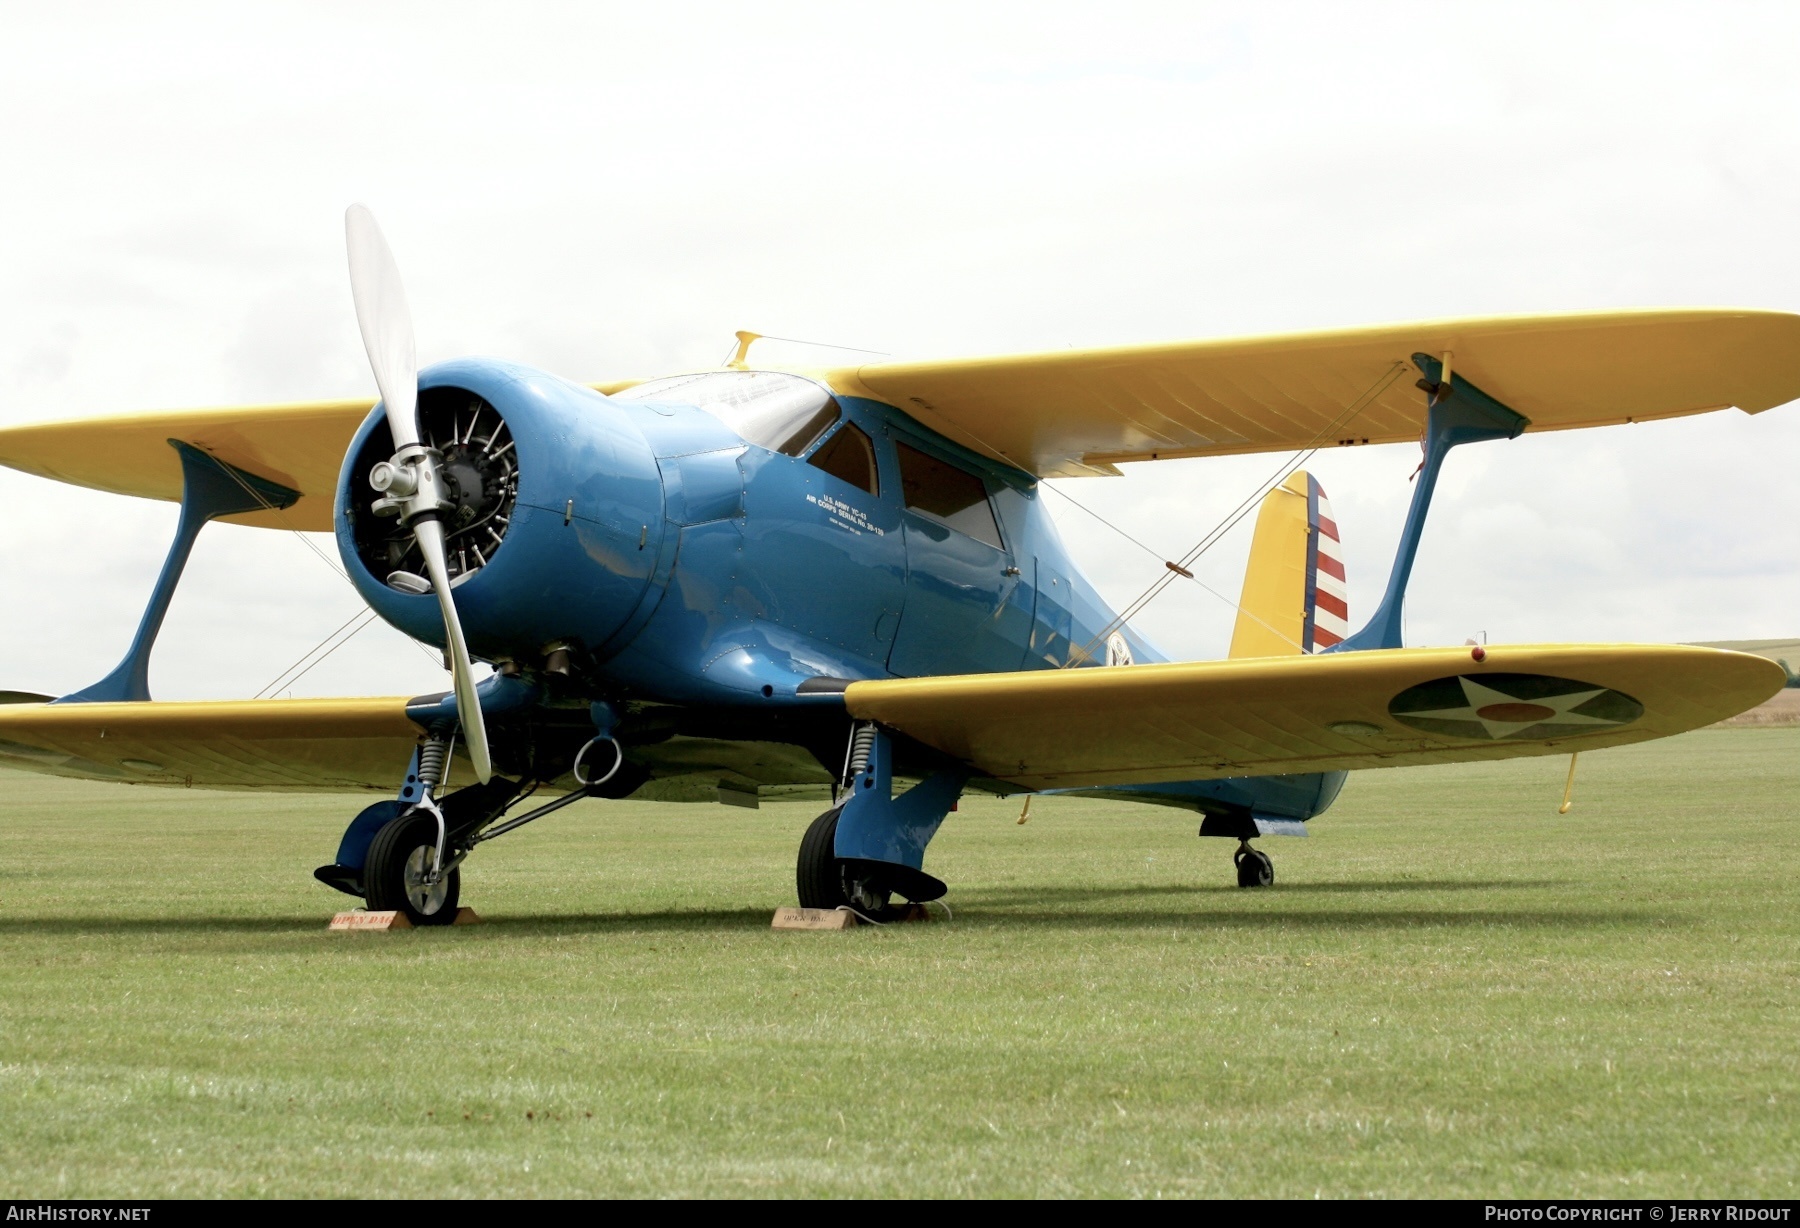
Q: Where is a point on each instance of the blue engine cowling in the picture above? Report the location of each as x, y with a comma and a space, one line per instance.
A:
554, 540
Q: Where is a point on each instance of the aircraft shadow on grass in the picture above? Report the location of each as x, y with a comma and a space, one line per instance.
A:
1336, 919
997, 911
311, 924
1076, 895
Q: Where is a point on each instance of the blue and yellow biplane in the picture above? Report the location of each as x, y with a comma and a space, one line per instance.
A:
748, 583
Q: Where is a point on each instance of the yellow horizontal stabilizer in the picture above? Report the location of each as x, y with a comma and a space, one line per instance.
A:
1077, 412
1201, 720
286, 744
300, 446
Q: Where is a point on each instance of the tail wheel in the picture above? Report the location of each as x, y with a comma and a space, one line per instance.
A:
823, 880
1254, 869
399, 864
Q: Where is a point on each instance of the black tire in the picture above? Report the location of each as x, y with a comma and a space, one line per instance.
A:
385, 873
1254, 869
817, 875
821, 879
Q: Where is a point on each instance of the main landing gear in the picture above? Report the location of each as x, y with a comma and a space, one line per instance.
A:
869, 848
1254, 869
828, 881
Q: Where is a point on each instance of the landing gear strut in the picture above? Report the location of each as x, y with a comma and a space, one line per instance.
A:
868, 848
1254, 869
406, 855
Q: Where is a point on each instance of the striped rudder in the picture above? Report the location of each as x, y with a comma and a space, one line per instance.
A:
1294, 597
1327, 600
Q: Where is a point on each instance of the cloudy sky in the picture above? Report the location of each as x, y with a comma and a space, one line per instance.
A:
612, 190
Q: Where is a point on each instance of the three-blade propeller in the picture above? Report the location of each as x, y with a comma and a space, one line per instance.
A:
413, 481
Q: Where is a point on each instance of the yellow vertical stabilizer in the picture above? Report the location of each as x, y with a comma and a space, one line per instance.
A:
1271, 616
1294, 599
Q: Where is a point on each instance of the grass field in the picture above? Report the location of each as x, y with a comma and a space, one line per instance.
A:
1449, 991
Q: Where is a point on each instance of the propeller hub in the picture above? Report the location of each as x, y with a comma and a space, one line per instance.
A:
413, 485
395, 481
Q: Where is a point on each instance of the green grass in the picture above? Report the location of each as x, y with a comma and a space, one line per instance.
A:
1449, 991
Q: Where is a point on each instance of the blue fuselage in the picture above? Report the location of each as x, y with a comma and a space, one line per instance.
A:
684, 565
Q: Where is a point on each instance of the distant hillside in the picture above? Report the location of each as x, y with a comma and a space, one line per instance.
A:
1775, 650
1784, 708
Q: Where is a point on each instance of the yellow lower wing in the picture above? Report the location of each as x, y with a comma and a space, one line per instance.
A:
253, 744
1202, 720
1044, 730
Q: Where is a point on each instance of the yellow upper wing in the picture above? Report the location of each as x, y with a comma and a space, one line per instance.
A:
300, 446
1080, 411
1202, 720
233, 744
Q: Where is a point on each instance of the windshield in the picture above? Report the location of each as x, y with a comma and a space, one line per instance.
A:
781, 412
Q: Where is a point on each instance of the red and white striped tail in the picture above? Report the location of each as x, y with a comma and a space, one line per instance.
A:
1327, 600
1294, 597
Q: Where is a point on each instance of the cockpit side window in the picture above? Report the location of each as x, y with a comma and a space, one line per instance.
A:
783, 413
948, 494
809, 431
849, 456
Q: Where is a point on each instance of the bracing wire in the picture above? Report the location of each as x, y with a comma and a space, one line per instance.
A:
281, 515
1155, 554
1285, 470
1275, 631
299, 669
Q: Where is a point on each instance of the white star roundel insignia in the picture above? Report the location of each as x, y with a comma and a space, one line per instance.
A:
1521, 707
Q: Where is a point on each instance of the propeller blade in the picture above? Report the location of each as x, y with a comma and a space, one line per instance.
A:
468, 705
386, 322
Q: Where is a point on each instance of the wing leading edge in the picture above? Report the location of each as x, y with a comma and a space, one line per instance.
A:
1081, 412
1078, 412
1205, 720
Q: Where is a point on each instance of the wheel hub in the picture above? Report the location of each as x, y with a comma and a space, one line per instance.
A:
424, 893
864, 896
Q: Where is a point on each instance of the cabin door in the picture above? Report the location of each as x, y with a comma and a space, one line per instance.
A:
967, 611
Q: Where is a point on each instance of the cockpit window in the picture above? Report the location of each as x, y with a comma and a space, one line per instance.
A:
849, 456
954, 496
783, 413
